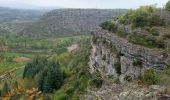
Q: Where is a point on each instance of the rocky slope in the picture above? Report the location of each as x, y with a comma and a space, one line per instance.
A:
109, 49
128, 91
69, 21
114, 57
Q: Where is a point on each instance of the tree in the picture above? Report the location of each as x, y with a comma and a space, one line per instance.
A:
51, 78
34, 67
167, 6
48, 73
109, 26
5, 89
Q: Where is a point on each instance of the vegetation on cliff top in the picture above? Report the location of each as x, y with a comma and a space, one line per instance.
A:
167, 6
147, 26
142, 17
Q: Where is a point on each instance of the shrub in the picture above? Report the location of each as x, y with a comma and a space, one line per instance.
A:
156, 20
94, 39
137, 62
167, 6
117, 67
121, 34
147, 41
113, 28
128, 78
122, 19
117, 81
59, 95
109, 26
142, 17
104, 57
150, 77
154, 31
166, 36
83, 83
167, 71
96, 83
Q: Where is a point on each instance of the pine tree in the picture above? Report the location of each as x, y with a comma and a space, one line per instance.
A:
50, 76
15, 85
5, 89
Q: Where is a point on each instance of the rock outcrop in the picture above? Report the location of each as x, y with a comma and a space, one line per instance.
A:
128, 91
111, 52
117, 60
130, 56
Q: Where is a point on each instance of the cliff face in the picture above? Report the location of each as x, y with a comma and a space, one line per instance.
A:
133, 53
116, 57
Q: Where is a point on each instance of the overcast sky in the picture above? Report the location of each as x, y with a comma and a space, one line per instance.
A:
109, 4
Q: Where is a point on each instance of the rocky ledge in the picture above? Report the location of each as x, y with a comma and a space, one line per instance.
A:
116, 57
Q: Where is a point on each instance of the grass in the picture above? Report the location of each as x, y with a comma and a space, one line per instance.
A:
16, 54
150, 77
149, 42
6, 66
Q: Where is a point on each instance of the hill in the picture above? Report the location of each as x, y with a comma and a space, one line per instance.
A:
14, 20
9, 14
69, 21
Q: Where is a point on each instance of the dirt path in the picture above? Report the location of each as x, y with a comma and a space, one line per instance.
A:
72, 48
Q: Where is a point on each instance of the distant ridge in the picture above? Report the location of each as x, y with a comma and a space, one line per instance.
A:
70, 21
8, 14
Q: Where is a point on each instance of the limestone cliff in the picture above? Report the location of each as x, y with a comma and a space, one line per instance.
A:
110, 51
125, 52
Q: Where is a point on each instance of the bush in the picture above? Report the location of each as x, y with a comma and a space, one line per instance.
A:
121, 34
139, 17
167, 71
137, 62
109, 26
150, 77
122, 19
94, 39
166, 36
147, 41
156, 20
113, 28
97, 83
142, 17
117, 81
128, 78
117, 67
167, 6
154, 31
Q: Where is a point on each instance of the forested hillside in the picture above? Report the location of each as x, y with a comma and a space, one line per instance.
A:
9, 14
14, 20
69, 21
